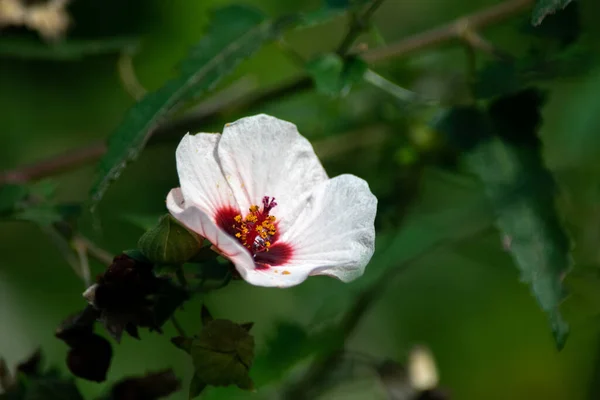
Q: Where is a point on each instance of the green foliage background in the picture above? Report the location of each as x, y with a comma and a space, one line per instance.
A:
465, 301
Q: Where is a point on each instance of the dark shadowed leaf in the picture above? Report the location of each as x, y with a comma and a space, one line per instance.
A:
543, 8
502, 148
152, 386
222, 354
235, 34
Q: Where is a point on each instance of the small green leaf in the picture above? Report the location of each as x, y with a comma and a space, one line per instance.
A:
222, 354
333, 76
325, 71
236, 33
502, 148
544, 8
169, 242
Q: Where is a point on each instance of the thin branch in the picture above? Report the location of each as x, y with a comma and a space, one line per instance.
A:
94, 250
451, 31
358, 26
56, 164
478, 42
84, 265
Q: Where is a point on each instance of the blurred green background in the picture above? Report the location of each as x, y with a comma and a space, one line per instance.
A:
489, 337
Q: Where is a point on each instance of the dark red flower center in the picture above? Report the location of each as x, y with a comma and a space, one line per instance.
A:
257, 231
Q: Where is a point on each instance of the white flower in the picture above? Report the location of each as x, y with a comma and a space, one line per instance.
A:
260, 195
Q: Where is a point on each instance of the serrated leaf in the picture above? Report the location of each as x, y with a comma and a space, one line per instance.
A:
237, 33
543, 8
502, 149
222, 354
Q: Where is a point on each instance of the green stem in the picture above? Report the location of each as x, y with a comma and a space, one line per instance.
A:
357, 27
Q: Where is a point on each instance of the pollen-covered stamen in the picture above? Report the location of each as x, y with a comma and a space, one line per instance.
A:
257, 229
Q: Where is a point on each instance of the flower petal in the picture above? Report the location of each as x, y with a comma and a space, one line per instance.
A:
334, 234
265, 156
202, 181
195, 219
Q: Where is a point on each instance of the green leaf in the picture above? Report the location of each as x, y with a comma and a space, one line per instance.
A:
502, 149
67, 50
222, 354
333, 76
169, 242
235, 34
543, 8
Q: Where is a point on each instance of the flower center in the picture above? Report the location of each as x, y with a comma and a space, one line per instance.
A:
256, 231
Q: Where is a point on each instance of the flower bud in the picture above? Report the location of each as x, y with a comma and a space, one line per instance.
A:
169, 242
